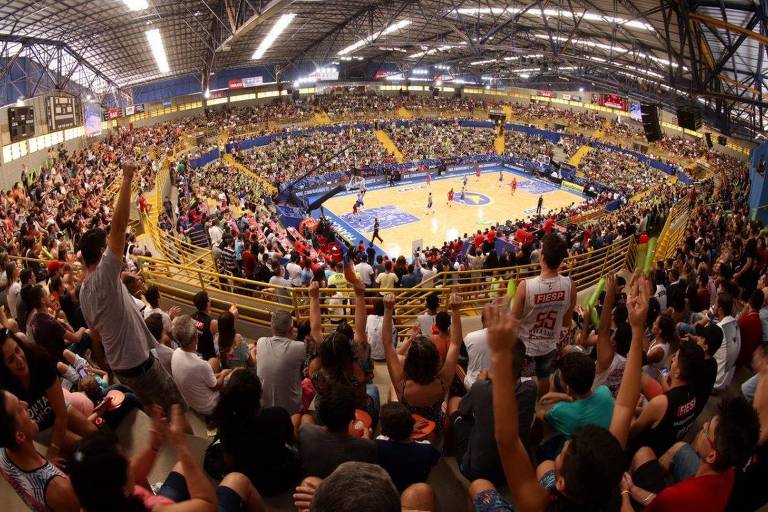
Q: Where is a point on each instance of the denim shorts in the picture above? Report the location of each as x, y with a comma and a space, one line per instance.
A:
491, 500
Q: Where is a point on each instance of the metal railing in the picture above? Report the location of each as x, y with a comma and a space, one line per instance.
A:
477, 287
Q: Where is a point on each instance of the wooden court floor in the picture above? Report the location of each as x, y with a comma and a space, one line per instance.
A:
402, 209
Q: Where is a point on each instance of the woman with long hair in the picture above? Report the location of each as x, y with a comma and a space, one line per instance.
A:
28, 372
233, 350
105, 479
418, 379
252, 440
47, 331
344, 356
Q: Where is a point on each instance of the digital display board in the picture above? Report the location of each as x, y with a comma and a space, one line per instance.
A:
21, 122
63, 112
92, 119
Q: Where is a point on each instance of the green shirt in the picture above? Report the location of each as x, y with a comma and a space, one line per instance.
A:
596, 409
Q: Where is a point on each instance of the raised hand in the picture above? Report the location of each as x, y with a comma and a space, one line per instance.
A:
637, 304
159, 430
502, 328
314, 290
389, 301
351, 277
179, 426
454, 301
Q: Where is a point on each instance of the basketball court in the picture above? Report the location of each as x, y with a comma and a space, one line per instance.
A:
402, 209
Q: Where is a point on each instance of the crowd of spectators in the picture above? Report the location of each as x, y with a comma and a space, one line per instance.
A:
620, 172
425, 141
646, 409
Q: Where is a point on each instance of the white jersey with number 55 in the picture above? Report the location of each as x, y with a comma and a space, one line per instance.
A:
546, 303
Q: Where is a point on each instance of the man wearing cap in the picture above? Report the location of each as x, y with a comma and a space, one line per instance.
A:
109, 309
54, 267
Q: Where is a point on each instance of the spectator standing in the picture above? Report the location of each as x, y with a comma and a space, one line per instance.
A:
108, 309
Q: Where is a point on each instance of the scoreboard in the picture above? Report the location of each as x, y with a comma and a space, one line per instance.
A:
63, 112
21, 122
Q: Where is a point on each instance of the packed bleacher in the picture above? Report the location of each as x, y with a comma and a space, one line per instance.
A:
661, 405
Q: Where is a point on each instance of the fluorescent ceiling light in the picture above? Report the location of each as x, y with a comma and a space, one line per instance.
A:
136, 5
158, 50
369, 39
553, 13
531, 56
419, 71
481, 62
280, 25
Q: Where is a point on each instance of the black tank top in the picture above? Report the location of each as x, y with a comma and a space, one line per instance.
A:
204, 336
678, 419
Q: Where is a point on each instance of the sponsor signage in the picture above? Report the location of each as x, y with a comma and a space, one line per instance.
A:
129, 110
242, 83
548, 94
572, 186
112, 113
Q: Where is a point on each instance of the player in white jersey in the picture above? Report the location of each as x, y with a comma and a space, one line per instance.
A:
544, 305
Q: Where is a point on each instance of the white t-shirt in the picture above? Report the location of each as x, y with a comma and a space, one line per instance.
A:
294, 273
195, 380
13, 298
479, 356
366, 272
728, 352
426, 321
373, 330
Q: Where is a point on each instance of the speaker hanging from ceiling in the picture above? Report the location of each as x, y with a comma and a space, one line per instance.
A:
651, 126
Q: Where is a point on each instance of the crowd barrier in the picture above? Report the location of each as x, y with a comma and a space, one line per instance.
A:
477, 287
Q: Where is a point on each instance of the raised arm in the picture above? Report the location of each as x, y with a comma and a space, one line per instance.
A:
360, 309
394, 363
142, 463
315, 317
605, 350
122, 212
452, 357
629, 390
202, 495
527, 494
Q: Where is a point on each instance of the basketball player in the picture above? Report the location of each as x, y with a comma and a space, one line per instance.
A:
450, 198
429, 204
544, 305
477, 172
376, 230
360, 199
429, 180
463, 195
539, 204
513, 185
501, 179
354, 208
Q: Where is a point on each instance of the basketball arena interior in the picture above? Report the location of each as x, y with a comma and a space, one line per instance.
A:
463, 256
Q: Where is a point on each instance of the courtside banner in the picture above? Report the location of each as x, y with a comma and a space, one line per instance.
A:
572, 186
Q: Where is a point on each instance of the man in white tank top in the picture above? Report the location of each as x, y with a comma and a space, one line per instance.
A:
544, 305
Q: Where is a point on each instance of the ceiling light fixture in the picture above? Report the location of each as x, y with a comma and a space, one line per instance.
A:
369, 39
155, 41
136, 5
280, 25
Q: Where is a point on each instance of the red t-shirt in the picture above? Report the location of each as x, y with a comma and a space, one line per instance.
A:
491, 236
479, 239
751, 330
708, 493
548, 225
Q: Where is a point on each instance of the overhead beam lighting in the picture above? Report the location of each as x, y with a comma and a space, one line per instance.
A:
371, 38
280, 25
553, 13
155, 41
136, 5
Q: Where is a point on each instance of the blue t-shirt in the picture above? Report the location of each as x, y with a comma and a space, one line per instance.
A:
406, 463
596, 409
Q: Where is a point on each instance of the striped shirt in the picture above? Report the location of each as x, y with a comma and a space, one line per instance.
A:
29, 485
